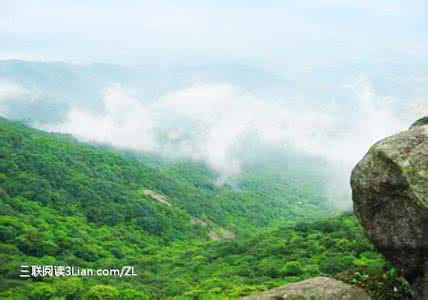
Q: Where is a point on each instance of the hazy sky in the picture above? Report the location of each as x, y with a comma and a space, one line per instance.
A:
326, 77
274, 34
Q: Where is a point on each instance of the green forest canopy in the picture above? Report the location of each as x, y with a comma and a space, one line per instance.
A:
63, 202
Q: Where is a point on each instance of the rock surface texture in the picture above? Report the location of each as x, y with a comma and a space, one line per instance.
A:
319, 288
390, 195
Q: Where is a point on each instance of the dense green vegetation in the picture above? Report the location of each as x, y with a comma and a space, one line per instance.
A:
106, 187
38, 236
68, 203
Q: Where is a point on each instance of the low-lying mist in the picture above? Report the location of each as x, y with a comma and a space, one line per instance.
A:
218, 123
224, 125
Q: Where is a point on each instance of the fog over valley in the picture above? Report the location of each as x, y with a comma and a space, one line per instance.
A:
220, 149
211, 120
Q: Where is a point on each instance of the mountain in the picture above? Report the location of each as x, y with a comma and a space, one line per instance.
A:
67, 203
49, 89
107, 186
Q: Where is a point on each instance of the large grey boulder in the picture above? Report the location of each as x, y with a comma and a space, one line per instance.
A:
390, 195
318, 288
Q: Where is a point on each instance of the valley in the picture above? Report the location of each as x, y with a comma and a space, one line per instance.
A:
64, 202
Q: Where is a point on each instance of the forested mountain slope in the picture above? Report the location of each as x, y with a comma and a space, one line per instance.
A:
68, 203
105, 186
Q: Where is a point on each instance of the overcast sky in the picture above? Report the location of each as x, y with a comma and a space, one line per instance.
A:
356, 70
272, 34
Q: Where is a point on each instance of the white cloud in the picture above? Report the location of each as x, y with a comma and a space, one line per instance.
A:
10, 92
9, 89
124, 123
212, 122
